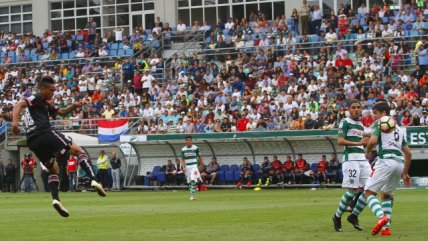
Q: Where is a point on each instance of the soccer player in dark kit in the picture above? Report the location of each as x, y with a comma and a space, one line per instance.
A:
47, 143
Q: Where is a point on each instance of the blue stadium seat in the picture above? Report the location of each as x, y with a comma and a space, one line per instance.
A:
79, 37
33, 58
236, 176
220, 177
314, 167
121, 52
120, 45
64, 55
114, 46
314, 38
45, 45
414, 33
129, 51
11, 53
26, 52
228, 176
233, 167
224, 167
72, 55
33, 52
256, 167
426, 25
113, 52
160, 176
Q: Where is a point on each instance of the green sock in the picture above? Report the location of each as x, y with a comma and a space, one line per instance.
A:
387, 210
361, 204
345, 200
375, 206
192, 188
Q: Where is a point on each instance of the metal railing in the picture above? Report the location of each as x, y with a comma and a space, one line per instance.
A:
82, 126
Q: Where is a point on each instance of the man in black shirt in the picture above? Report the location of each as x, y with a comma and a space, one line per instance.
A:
115, 166
47, 143
226, 126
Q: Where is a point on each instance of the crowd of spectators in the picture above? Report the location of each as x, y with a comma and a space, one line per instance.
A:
278, 80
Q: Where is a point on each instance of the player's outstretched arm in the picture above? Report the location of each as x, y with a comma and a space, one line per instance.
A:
408, 161
15, 115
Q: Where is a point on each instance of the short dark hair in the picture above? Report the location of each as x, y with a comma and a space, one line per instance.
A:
46, 81
381, 107
354, 101
188, 137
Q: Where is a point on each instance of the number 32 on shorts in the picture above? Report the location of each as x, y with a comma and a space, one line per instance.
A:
352, 173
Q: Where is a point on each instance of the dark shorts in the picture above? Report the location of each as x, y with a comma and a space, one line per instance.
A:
48, 145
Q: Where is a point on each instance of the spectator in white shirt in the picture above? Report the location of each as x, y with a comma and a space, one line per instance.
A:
118, 33
229, 25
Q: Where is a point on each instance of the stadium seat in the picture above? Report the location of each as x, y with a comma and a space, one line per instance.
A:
45, 45
79, 37
256, 167
72, 55
114, 46
224, 167
236, 176
426, 25
129, 52
160, 177
220, 177
120, 46
33, 52
314, 167
33, 58
121, 52
314, 38
27, 52
228, 176
233, 167
64, 55
113, 52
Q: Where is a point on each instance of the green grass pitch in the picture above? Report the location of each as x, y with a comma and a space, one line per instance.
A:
215, 215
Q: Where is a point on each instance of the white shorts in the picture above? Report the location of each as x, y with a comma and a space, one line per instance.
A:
385, 177
355, 173
192, 173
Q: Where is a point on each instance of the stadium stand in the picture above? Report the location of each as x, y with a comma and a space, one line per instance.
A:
256, 75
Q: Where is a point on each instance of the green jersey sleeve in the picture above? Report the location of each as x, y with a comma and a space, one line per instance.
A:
376, 129
343, 128
182, 154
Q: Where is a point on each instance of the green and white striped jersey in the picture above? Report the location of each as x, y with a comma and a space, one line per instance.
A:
390, 145
190, 155
352, 130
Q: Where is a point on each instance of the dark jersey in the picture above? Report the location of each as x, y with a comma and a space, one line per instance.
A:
36, 117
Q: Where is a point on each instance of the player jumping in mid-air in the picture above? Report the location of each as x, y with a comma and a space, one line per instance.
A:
190, 161
47, 143
356, 169
393, 162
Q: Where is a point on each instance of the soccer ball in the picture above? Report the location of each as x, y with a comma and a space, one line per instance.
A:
386, 124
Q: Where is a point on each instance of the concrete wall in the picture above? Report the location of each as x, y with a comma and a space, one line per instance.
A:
41, 16
167, 11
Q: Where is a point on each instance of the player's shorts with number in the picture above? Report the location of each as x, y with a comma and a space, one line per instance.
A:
355, 173
192, 173
386, 176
